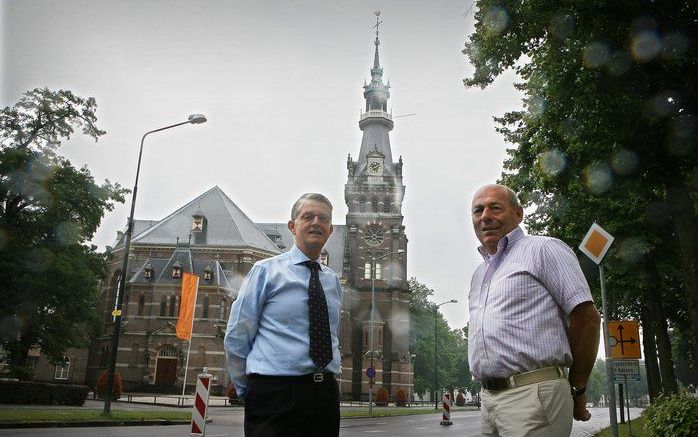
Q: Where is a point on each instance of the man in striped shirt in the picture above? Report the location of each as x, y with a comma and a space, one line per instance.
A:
531, 316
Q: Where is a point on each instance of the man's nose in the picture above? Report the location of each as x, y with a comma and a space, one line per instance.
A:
486, 215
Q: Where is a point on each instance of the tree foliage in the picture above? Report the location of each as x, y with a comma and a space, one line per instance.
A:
452, 358
607, 133
49, 210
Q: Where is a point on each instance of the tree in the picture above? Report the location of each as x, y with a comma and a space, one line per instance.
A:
607, 134
49, 210
452, 357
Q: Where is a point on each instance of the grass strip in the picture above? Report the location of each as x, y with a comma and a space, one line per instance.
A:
58, 415
385, 412
637, 427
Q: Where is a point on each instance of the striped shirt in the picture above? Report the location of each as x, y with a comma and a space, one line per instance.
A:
520, 299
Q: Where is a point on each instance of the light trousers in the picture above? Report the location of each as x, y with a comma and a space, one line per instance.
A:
543, 409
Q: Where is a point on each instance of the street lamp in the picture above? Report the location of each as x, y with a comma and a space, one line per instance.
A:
436, 349
193, 119
373, 306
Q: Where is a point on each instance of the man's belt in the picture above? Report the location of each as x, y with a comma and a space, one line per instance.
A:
310, 378
521, 379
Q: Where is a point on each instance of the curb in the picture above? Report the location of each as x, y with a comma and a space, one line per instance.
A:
93, 423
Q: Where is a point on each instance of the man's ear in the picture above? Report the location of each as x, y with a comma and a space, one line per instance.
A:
331, 229
292, 227
519, 214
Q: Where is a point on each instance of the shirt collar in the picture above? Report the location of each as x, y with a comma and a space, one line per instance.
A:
510, 238
298, 257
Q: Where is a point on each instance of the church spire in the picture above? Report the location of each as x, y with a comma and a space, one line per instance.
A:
376, 62
376, 122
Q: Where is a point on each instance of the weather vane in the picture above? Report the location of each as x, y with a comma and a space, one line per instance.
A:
378, 23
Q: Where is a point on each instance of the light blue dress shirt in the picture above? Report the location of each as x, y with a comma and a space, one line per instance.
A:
268, 328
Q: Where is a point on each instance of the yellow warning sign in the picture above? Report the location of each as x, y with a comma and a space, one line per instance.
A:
116, 313
625, 339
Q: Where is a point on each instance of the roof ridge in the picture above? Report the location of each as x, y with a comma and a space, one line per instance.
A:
164, 220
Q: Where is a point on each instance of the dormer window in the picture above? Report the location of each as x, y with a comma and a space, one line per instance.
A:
148, 271
208, 273
177, 270
198, 222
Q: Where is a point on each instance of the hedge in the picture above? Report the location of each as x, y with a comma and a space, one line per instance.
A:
672, 416
42, 393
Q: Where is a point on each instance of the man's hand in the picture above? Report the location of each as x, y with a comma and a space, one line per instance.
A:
579, 410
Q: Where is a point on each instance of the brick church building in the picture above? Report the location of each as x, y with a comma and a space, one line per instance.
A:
213, 238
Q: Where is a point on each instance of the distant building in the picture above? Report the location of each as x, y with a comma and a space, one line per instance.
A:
211, 237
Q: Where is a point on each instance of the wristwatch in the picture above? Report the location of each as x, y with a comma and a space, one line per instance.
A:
577, 392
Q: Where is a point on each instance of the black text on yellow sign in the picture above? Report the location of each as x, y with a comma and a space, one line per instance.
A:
625, 339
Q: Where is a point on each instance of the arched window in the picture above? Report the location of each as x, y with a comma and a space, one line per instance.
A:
62, 369
374, 204
163, 306
204, 313
367, 269
141, 305
362, 204
379, 270
386, 205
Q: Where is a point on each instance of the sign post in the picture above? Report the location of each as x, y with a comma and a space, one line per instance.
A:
371, 373
198, 416
595, 245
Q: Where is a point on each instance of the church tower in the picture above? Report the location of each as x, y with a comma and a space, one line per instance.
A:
375, 254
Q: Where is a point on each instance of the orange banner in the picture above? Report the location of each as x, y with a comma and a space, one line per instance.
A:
190, 285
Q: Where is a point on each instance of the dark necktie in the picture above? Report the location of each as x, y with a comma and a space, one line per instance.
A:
320, 340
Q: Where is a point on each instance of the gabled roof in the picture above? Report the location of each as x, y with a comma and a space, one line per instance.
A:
227, 225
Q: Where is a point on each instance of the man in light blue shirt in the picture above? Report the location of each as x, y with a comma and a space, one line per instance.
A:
282, 339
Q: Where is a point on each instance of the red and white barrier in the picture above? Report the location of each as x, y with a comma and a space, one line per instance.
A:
446, 419
198, 416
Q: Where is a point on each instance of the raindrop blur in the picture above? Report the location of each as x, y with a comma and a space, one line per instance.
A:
562, 25
660, 105
598, 177
657, 213
619, 63
633, 249
496, 19
674, 45
645, 46
624, 162
38, 260
536, 106
682, 135
67, 233
570, 128
596, 54
552, 162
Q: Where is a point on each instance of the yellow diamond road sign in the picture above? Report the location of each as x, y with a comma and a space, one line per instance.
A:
625, 339
596, 243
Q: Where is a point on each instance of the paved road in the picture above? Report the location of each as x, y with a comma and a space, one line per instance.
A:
227, 422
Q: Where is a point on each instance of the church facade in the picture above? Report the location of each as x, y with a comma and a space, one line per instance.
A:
213, 238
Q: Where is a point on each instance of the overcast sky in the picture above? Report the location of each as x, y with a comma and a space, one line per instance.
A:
281, 85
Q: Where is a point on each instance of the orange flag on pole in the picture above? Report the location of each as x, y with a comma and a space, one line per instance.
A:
185, 322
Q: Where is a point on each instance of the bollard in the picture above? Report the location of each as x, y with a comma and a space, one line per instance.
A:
446, 420
198, 416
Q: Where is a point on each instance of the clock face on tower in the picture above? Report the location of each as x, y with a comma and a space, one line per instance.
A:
373, 236
375, 167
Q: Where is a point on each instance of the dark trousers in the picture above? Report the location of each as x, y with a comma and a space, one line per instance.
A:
289, 407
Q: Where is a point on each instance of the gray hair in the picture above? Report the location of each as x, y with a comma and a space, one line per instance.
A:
309, 196
513, 198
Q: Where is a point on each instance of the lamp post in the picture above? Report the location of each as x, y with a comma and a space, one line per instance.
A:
371, 335
193, 119
436, 349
